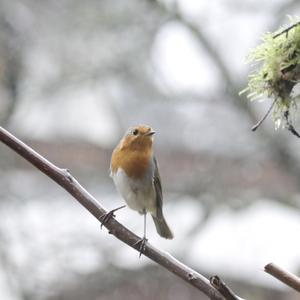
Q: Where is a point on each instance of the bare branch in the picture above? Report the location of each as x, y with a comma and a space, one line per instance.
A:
289, 126
70, 184
286, 30
221, 286
264, 117
284, 276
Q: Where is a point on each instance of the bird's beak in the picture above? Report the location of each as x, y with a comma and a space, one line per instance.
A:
150, 133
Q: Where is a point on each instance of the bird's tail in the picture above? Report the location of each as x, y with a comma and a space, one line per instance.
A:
162, 227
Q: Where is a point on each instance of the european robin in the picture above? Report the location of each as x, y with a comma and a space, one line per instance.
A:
134, 170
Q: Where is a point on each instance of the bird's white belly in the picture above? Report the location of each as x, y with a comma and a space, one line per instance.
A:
138, 194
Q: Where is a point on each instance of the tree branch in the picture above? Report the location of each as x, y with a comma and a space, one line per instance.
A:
284, 276
70, 184
221, 286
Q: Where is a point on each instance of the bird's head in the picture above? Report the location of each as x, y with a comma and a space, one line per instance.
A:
139, 137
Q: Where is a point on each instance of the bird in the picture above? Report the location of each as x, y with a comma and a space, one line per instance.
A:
134, 170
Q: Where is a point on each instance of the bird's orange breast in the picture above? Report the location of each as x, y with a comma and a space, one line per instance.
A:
134, 163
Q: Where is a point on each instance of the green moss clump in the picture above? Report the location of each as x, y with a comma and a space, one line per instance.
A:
277, 71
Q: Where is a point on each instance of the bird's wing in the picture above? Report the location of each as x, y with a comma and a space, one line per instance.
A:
158, 188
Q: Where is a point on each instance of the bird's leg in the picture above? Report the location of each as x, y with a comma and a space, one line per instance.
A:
106, 217
142, 242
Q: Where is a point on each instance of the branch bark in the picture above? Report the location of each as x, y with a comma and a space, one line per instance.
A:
284, 276
221, 286
70, 184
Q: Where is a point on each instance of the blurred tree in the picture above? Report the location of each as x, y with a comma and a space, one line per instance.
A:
11, 51
52, 52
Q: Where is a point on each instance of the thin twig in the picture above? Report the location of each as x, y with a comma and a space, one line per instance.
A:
284, 276
289, 125
265, 116
70, 184
221, 286
286, 30
292, 129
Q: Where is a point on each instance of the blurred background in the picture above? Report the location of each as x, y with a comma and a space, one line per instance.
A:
74, 75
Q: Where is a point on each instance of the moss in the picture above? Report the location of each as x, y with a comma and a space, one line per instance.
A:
276, 64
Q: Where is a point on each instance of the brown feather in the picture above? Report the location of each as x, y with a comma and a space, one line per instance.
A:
133, 154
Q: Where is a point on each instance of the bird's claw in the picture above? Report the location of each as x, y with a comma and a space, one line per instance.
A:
142, 245
107, 216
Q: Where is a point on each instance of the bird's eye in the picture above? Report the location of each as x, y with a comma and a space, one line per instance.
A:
135, 132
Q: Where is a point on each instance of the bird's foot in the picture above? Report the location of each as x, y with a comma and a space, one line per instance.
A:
141, 245
107, 216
